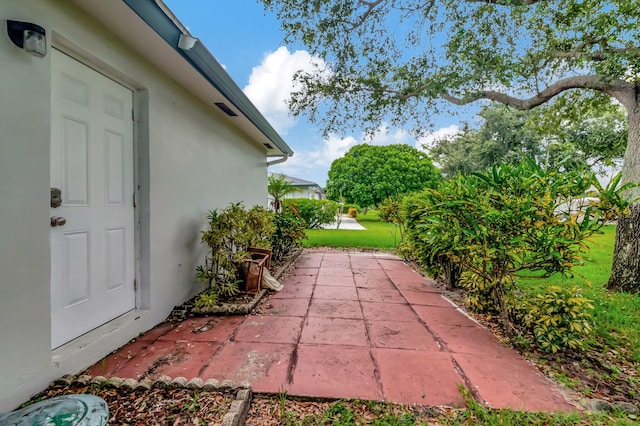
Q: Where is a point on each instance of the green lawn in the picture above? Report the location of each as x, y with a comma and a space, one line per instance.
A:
616, 315
379, 235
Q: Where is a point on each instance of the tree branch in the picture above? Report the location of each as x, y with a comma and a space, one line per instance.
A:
506, 2
619, 89
598, 55
370, 5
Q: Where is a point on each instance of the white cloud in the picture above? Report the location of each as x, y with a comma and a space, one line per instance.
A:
271, 83
442, 133
386, 136
317, 160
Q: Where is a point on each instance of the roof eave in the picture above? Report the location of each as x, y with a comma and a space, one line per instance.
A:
160, 19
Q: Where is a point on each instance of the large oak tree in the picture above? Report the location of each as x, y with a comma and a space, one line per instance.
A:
504, 135
398, 60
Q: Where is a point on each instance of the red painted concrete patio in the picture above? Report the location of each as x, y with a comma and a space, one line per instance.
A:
346, 325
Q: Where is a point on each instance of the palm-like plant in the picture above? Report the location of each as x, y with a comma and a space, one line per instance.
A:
279, 187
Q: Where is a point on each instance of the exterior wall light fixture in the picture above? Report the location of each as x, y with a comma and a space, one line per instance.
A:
30, 37
186, 42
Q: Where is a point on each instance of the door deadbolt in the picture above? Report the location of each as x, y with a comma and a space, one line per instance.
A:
56, 197
58, 221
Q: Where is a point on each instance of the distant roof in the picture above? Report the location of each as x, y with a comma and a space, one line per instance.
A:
296, 181
158, 16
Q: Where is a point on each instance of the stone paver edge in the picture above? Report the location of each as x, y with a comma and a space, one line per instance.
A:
236, 415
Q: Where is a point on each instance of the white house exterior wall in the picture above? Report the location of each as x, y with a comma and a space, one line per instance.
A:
189, 160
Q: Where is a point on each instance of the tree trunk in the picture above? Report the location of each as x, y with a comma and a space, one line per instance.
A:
625, 271
452, 273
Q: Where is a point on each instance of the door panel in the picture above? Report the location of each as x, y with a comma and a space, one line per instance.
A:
92, 254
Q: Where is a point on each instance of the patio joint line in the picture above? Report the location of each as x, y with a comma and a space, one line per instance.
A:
212, 357
468, 383
441, 343
376, 367
293, 361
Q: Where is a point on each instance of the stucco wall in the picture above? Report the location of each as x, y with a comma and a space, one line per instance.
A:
189, 159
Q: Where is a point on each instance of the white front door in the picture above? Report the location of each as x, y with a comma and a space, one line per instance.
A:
92, 231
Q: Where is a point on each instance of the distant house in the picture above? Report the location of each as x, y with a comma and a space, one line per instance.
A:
118, 132
306, 189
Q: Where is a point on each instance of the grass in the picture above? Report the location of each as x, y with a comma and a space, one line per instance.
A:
378, 235
358, 412
616, 315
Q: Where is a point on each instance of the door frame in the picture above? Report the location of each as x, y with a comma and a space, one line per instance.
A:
140, 139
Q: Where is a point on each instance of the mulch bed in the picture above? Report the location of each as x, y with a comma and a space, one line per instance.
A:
141, 407
270, 411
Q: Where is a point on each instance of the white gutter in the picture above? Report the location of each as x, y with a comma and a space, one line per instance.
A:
282, 159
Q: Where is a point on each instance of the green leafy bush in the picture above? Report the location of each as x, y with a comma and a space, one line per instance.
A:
390, 210
494, 225
229, 234
559, 318
314, 212
288, 235
347, 207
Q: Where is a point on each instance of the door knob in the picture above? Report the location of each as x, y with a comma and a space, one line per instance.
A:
58, 221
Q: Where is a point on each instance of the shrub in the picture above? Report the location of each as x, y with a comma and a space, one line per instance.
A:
559, 318
288, 235
352, 212
347, 207
493, 225
389, 210
314, 212
229, 234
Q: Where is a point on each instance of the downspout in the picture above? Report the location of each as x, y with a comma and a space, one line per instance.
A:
282, 159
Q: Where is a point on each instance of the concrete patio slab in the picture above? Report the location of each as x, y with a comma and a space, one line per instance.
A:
372, 279
335, 292
112, 363
335, 372
203, 329
312, 272
401, 335
426, 298
285, 307
509, 381
437, 315
335, 271
388, 312
346, 325
307, 280
334, 331
309, 260
417, 377
264, 365
185, 360
294, 292
386, 295
466, 340
364, 262
323, 308
270, 329
343, 281
188, 355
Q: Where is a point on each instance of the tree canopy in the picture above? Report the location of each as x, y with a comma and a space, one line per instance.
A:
368, 174
505, 135
399, 60
394, 60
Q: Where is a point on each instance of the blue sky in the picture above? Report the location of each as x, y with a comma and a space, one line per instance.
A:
247, 41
